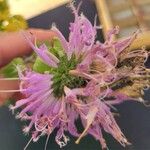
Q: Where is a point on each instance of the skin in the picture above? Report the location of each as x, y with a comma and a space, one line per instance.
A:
14, 45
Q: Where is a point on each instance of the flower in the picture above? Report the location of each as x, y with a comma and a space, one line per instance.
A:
80, 79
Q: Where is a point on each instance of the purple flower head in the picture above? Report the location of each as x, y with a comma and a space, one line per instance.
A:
82, 79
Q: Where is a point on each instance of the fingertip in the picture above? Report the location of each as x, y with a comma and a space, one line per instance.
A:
42, 34
14, 44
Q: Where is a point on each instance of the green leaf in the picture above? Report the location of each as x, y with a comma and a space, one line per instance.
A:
10, 70
40, 66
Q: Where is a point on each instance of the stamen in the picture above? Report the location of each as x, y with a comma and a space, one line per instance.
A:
7, 79
90, 117
111, 106
28, 144
85, 74
45, 148
81, 74
11, 91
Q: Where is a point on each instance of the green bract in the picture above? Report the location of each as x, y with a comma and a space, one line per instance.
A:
10, 70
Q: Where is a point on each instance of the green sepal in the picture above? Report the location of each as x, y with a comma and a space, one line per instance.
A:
10, 70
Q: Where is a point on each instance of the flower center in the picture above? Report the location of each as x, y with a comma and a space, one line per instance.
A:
62, 77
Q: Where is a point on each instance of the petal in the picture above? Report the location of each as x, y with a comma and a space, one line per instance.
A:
42, 51
61, 38
123, 44
90, 118
111, 33
82, 35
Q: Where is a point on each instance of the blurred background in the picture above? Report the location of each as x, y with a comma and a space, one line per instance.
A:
130, 15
